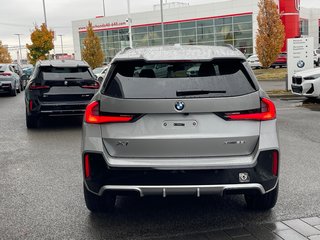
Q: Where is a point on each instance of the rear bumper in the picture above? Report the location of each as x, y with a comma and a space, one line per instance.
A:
196, 190
255, 65
6, 86
279, 64
58, 108
147, 181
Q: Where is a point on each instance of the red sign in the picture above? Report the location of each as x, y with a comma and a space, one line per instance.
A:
104, 26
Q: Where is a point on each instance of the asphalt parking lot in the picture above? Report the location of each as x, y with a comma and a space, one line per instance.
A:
41, 184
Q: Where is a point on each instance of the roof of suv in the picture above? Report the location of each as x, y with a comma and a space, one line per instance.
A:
179, 52
63, 63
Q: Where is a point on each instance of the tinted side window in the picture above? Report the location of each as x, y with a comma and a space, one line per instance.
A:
138, 79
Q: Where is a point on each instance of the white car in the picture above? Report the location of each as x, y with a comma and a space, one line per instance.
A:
100, 72
306, 83
254, 62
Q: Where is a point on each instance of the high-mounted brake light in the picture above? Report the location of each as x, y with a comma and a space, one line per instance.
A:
267, 112
96, 85
33, 86
92, 115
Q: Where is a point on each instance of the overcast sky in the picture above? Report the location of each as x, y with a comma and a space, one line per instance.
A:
20, 16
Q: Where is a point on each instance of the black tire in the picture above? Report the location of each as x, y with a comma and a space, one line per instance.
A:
13, 92
318, 62
22, 86
262, 201
31, 121
97, 203
19, 89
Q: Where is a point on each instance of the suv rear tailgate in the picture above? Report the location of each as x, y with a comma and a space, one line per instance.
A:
162, 132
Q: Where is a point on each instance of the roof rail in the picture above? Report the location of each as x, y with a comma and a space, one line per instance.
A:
231, 47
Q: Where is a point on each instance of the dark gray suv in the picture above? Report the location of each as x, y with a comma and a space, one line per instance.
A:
171, 120
59, 88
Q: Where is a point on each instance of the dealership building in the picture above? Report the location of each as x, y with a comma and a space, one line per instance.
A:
218, 23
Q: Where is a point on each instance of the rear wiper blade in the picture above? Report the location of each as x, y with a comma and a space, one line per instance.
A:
197, 92
70, 78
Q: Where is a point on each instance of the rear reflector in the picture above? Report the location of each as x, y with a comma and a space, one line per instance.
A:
30, 105
267, 112
92, 115
96, 85
275, 163
86, 166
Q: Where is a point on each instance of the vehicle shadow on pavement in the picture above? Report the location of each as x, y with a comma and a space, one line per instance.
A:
54, 123
3, 94
156, 216
312, 104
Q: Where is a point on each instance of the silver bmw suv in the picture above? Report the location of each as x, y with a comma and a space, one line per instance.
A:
187, 120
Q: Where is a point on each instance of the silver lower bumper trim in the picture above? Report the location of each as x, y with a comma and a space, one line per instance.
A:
62, 111
196, 190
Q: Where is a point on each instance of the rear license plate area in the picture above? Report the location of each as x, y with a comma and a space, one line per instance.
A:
180, 124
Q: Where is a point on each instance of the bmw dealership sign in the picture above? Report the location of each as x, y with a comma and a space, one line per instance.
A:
300, 56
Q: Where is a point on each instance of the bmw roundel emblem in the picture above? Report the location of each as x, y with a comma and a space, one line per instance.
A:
300, 64
179, 106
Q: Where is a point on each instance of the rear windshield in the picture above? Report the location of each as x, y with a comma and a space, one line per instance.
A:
138, 79
64, 73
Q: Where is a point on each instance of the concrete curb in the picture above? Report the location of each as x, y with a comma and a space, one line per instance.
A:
282, 95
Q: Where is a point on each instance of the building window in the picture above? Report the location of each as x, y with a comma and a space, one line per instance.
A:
216, 31
304, 29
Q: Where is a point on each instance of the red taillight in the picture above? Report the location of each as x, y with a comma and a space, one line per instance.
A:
33, 86
6, 74
268, 112
96, 85
30, 105
86, 166
275, 163
92, 115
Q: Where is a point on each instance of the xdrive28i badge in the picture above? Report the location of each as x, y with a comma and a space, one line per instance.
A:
179, 106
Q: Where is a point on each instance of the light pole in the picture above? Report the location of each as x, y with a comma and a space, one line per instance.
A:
18, 34
130, 23
45, 14
162, 26
104, 8
60, 35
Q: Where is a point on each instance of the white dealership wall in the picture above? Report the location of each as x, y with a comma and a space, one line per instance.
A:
230, 7
313, 16
225, 8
